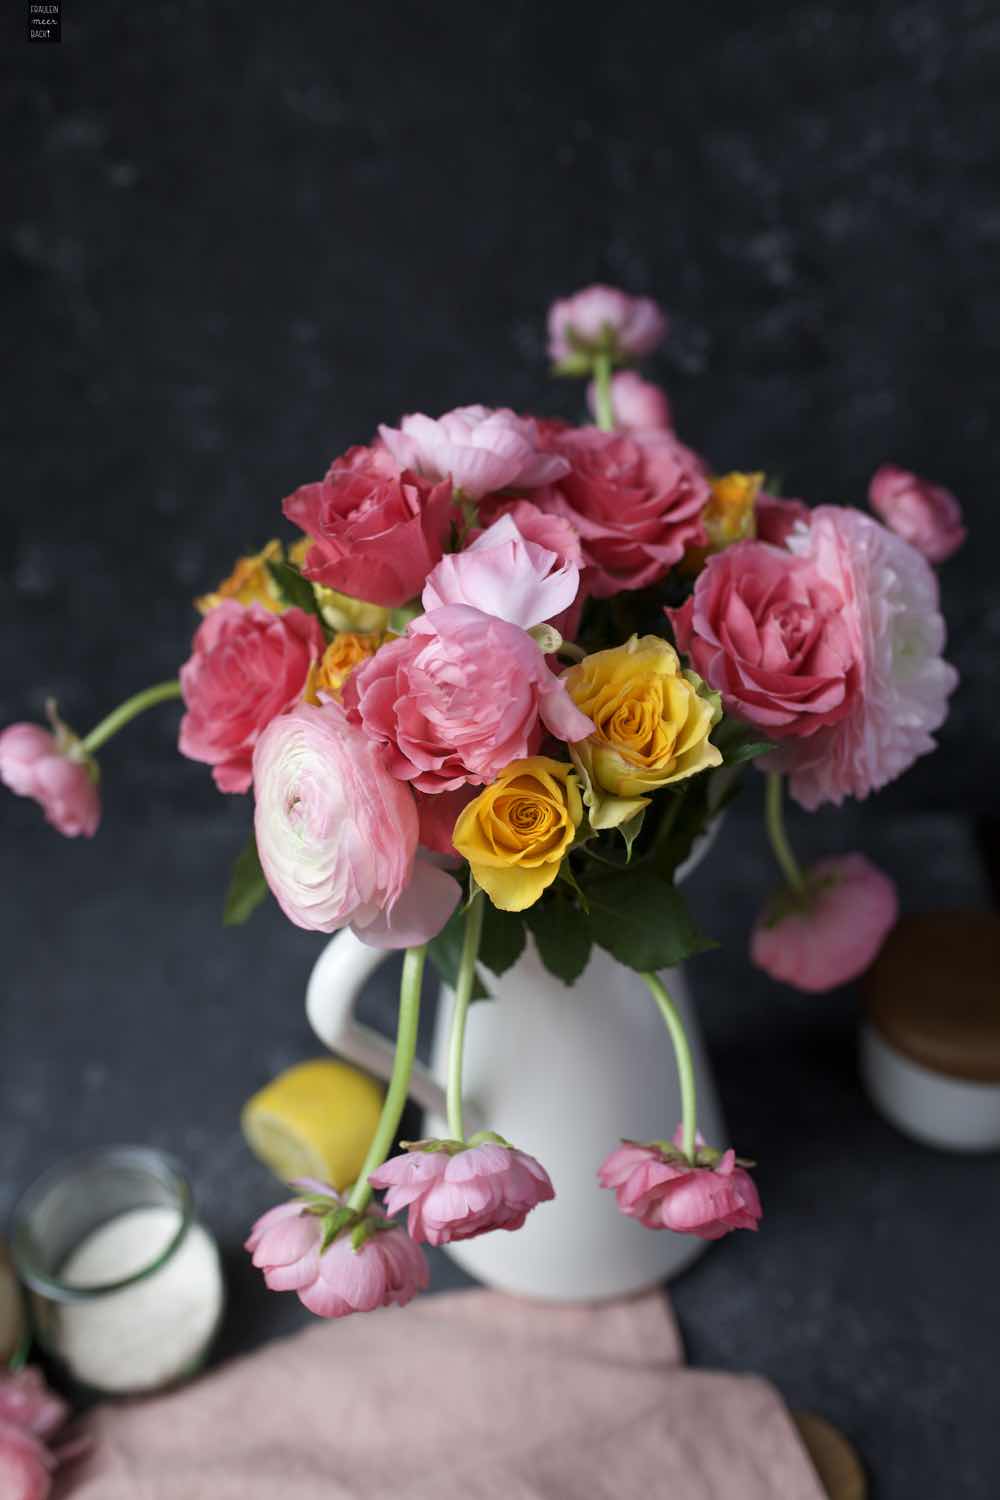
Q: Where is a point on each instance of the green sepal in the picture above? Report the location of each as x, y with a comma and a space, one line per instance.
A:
295, 590
739, 742
401, 617
247, 886
630, 831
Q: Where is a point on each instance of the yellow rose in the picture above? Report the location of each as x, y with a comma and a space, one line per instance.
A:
652, 723
248, 583
338, 610
346, 651
515, 833
728, 516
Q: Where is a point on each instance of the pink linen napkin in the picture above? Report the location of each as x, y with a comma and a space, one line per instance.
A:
467, 1394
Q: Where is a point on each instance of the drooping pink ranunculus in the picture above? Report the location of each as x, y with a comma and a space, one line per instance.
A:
337, 834
458, 698
776, 517
388, 1269
33, 764
546, 529
831, 933
925, 515
30, 1415
658, 1186
247, 665
455, 1196
478, 449
376, 529
604, 319
638, 404
636, 501
503, 574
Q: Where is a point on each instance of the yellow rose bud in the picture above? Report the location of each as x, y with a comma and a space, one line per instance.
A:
728, 516
345, 652
339, 610
515, 833
652, 724
250, 582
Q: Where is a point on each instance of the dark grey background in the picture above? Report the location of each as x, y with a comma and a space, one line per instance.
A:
239, 236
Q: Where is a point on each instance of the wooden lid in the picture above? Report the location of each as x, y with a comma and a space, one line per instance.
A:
934, 992
834, 1460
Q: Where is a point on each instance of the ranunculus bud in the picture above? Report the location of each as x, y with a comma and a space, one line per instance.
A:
656, 1184
925, 515
455, 1191
637, 404
602, 320
832, 931
50, 769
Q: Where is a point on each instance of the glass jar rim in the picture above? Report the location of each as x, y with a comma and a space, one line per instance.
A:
157, 1164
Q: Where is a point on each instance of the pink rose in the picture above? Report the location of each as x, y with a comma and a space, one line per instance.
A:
545, 529
923, 514
247, 666
774, 637
455, 1195
478, 449
604, 320
503, 574
776, 518
833, 932
459, 698
657, 1185
386, 1270
34, 764
337, 834
637, 404
636, 501
376, 530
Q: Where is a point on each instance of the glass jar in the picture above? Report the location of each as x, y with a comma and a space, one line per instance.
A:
125, 1285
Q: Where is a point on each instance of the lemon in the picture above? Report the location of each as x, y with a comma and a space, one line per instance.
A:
314, 1120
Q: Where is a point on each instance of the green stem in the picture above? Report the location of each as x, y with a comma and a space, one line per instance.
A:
399, 1083
463, 994
685, 1065
774, 819
602, 393
120, 716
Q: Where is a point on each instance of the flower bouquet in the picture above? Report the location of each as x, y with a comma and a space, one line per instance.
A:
506, 678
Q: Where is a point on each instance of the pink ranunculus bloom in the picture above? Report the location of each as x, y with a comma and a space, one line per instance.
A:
546, 529
504, 574
26, 1464
376, 529
27, 1402
480, 450
775, 637
636, 501
638, 404
247, 666
925, 515
833, 932
894, 617
34, 764
438, 813
30, 1415
458, 698
337, 834
603, 319
655, 1184
457, 1195
388, 1269
776, 517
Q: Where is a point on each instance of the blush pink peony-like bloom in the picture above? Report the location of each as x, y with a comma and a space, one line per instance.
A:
775, 518
546, 529
246, 667
604, 320
387, 1269
636, 500
34, 764
458, 698
657, 1185
923, 514
455, 1195
638, 404
504, 574
376, 529
480, 450
831, 933
337, 834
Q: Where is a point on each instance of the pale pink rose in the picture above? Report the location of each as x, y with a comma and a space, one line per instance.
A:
503, 574
247, 666
456, 1196
337, 834
388, 1269
478, 449
32, 764
898, 636
545, 529
636, 501
774, 637
776, 518
376, 530
458, 698
637, 404
833, 932
659, 1187
604, 320
923, 514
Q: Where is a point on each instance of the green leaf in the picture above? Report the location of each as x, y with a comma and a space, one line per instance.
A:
562, 935
644, 921
445, 951
293, 588
502, 941
247, 887
739, 742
